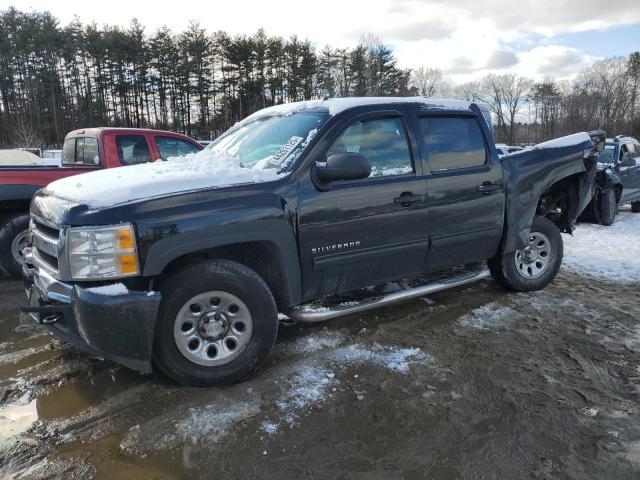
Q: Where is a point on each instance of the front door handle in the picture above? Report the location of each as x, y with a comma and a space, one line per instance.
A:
488, 187
408, 198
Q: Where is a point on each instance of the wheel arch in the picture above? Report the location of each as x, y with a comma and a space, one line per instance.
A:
267, 247
15, 200
561, 201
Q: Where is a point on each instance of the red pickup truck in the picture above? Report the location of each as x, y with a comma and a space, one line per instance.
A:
84, 150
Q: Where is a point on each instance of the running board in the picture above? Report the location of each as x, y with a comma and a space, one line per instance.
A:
310, 313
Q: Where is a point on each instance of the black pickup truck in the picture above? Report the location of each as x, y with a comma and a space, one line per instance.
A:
185, 264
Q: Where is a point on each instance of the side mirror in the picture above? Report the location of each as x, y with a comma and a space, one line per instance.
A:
344, 166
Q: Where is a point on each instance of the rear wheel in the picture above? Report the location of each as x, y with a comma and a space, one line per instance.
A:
608, 207
13, 239
534, 266
217, 324
635, 207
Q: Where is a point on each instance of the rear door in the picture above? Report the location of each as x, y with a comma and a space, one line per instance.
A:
365, 232
133, 149
169, 146
466, 189
630, 175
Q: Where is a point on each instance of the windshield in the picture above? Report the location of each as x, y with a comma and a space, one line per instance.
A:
270, 142
606, 156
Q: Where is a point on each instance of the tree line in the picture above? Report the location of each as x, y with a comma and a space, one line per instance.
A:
604, 95
54, 79
57, 78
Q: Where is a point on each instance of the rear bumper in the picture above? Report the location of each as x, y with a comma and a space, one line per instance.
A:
117, 327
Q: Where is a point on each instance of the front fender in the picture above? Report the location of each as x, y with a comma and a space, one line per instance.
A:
609, 179
277, 232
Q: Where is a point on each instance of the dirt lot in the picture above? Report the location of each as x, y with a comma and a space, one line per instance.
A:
470, 383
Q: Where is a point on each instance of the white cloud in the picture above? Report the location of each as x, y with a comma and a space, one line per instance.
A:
466, 39
555, 60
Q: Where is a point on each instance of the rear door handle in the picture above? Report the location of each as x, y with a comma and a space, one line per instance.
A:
488, 187
408, 198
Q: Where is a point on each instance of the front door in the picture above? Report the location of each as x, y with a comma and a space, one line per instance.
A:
365, 232
466, 191
629, 174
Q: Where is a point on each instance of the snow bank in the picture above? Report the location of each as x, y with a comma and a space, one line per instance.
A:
610, 253
113, 186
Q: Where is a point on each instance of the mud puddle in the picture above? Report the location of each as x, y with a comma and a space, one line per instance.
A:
474, 383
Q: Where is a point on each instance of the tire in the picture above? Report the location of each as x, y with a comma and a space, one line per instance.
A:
608, 207
13, 234
215, 287
635, 207
512, 269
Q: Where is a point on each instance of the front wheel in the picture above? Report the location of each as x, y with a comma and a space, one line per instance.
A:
534, 266
635, 207
13, 239
608, 207
217, 324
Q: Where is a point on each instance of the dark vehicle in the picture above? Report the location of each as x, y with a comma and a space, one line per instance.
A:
618, 180
84, 150
295, 203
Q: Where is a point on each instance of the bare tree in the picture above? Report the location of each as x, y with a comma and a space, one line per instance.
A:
506, 95
24, 135
427, 81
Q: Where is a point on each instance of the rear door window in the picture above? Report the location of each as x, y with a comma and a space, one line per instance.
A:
90, 152
132, 149
452, 143
174, 147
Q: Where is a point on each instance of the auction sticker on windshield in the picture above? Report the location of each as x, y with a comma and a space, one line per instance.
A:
285, 150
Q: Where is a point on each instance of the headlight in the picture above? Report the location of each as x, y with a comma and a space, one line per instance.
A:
96, 253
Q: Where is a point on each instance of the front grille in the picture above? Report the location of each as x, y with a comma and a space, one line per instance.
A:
44, 239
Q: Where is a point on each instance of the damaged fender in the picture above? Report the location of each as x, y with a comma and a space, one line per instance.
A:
531, 174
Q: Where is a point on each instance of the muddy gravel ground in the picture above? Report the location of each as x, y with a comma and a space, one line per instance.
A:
471, 383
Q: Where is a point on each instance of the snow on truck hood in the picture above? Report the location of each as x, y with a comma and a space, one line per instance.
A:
115, 186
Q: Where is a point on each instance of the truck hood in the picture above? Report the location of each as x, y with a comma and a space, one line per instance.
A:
198, 171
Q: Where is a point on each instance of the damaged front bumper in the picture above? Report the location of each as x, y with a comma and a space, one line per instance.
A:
117, 327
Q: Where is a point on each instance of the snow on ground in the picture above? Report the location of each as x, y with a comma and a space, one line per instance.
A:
310, 383
393, 358
314, 343
212, 425
208, 424
307, 383
609, 253
489, 317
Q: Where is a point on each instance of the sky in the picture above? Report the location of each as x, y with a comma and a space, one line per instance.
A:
466, 39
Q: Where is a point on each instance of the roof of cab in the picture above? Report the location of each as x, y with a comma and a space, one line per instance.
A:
97, 131
334, 106
337, 105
